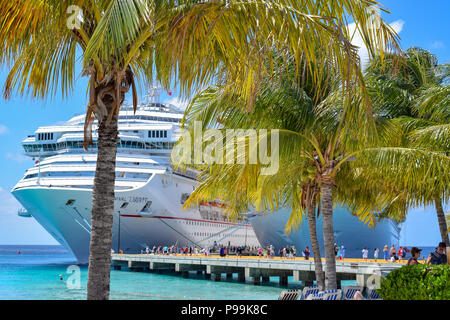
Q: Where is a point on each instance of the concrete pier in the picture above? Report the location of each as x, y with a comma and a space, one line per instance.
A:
254, 269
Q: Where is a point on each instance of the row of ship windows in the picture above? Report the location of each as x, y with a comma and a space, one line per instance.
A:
131, 175
152, 118
159, 145
118, 163
133, 117
88, 187
207, 234
205, 224
45, 136
151, 134
157, 134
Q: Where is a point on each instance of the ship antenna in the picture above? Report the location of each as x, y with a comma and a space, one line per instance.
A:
152, 96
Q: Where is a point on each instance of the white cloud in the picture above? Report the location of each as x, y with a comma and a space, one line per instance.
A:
437, 45
3, 129
357, 40
16, 157
177, 102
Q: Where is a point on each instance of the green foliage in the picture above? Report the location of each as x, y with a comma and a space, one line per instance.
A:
417, 282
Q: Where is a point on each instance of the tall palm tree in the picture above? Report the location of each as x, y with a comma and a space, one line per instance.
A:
292, 107
417, 97
176, 42
240, 185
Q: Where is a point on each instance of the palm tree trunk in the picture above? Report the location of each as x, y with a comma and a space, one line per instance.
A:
328, 233
98, 287
318, 269
441, 220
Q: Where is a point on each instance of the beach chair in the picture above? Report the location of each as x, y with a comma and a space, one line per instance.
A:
373, 295
332, 295
290, 294
335, 294
308, 291
349, 292
315, 296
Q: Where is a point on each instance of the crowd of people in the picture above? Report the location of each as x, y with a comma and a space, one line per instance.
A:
290, 252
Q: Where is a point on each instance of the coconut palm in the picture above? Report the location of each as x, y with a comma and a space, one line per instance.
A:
183, 43
292, 107
310, 130
240, 185
417, 98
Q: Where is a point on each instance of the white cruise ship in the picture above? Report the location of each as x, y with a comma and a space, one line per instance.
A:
149, 194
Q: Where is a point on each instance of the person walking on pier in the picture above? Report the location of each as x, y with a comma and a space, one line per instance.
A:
306, 253
393, 253
342, 253
272, 251
400, 254
386, 253
336, 250
375, 254
365, 254
405, 251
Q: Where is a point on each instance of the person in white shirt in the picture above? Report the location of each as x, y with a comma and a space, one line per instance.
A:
365, 253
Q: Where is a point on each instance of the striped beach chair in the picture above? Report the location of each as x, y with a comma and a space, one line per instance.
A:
308, 291
332, 295
290, 294
349, 292
373, 295
326, 295
315, 296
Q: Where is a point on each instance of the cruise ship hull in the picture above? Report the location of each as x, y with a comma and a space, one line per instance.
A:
66, 215
349, 232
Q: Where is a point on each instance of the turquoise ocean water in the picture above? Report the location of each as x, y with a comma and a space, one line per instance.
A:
34, 275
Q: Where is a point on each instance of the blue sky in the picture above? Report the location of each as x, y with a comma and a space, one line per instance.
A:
419, 23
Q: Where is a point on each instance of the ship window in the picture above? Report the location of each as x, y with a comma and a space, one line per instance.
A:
153, 134
165, 134
184, 197
157, 133
147, 207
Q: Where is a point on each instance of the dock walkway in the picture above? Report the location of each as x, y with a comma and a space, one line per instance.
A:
255, 269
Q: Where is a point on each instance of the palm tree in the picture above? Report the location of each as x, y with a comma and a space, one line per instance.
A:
310, 131
241, 186
305, 137
417, 98
175, 42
